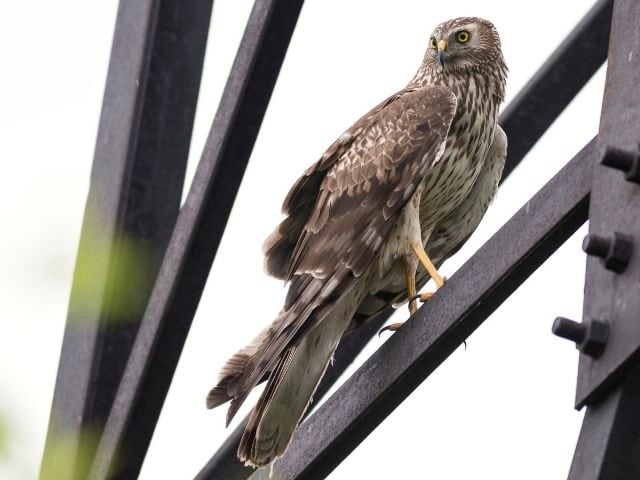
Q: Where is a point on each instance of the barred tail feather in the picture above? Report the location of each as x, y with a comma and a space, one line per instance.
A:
226, 389
291, 386
255, 362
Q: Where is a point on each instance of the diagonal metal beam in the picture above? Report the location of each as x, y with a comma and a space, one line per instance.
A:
134, 197
440, 326
556, 83
525, 120
195, 239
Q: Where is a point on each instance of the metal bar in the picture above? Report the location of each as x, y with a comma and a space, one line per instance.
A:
543, 98
134, 197
612, 297
556, 83
609, 440
441, 325
195, 240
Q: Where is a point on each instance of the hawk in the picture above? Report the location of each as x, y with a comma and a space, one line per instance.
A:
404, 187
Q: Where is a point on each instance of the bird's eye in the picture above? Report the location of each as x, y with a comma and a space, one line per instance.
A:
433, 44
463, 36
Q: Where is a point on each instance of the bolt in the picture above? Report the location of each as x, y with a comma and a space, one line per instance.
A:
615, 252
565, 328
597, 336
590, 337
624, 160
596, 245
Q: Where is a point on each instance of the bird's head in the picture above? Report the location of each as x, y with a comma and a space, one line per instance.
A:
463, 43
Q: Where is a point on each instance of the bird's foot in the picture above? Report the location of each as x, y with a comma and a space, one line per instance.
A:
393, 327
426, 296
423, 297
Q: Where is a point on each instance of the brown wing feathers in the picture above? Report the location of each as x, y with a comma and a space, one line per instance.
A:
303, 195
361, 195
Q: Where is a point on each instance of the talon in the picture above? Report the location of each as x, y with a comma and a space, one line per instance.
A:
426, 296
423, 297
393, 327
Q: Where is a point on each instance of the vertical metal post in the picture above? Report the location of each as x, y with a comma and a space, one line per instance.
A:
609, 443
136, 184
611, 296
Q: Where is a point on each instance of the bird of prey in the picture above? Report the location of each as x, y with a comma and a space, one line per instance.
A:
404, 186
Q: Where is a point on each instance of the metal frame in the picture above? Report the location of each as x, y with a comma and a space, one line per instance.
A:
136, 184
195, 239
614, 210
609, 384
114, 376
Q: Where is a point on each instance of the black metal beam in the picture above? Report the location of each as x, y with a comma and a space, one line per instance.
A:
609, 296
134, 197
195, 240
609, 442
441, 325
556, 83
542, 99
609, 384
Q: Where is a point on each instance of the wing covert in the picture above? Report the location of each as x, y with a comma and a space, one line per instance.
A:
364, 190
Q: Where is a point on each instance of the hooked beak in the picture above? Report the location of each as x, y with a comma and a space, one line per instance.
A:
443, 56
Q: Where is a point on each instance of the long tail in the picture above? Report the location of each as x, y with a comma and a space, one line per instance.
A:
293, 352
291, 385
314, 300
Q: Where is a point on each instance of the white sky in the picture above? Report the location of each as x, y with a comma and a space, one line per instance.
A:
501, 410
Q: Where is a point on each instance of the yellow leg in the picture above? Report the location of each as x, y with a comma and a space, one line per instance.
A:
411, 289
430, 268
427, 264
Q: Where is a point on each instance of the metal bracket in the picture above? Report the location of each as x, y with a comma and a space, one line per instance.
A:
611, 292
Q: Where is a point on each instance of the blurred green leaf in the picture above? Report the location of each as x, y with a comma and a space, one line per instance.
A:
68, 460
4, 437
126, 264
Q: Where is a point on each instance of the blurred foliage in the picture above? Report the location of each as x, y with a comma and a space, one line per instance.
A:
13, 462
111, 281
4, 437
126, 263
66, 459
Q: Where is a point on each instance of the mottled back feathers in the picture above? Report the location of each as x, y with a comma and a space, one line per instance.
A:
368, 174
